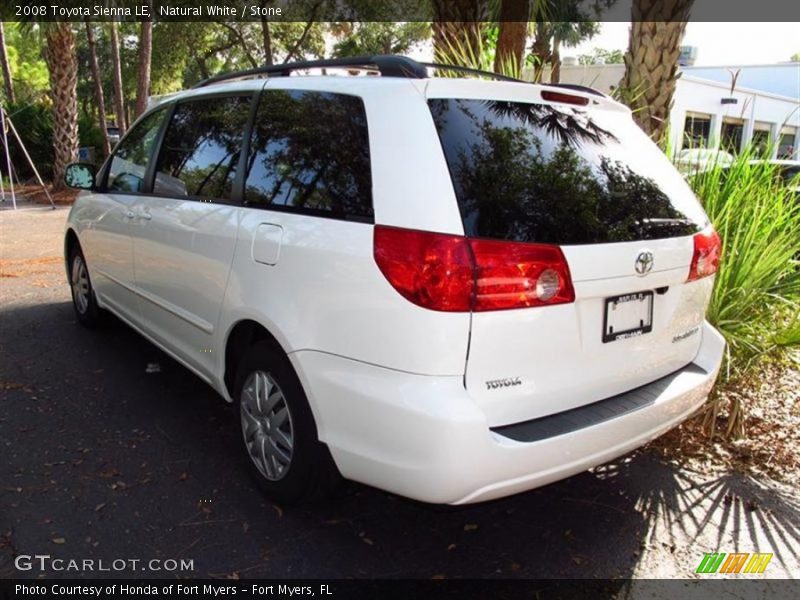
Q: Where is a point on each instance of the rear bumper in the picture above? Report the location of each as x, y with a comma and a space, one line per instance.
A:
424, 438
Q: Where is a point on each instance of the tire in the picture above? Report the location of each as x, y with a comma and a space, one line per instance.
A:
84, 302
279, 435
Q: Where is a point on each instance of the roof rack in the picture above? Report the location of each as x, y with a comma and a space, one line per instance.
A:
387, 65
458, 69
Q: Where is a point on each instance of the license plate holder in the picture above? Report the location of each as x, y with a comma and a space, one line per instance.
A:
627, 316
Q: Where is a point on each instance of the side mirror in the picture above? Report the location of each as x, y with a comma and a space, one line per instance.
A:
80, 176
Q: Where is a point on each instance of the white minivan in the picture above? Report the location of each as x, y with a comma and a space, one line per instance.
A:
449, 288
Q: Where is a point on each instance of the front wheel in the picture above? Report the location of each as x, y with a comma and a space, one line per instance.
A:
83, 299
278, 429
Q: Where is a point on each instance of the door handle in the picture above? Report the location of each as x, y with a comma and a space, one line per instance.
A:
145, 215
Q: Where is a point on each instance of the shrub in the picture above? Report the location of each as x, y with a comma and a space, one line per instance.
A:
756, 299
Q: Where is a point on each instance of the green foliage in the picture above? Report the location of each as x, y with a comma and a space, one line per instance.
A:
756, 300
34, 123
480, 57
602, 56
89, 133
28, 69
379, 37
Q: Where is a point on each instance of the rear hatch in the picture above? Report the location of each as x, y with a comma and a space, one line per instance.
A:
573, 170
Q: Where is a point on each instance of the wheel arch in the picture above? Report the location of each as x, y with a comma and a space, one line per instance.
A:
243, 334
70, 243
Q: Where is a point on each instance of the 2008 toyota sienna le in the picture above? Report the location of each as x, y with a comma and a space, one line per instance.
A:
449, 288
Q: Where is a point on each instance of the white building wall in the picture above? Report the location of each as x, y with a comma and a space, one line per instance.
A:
696, 95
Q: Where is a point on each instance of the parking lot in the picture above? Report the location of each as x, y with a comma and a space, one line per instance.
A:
102, 459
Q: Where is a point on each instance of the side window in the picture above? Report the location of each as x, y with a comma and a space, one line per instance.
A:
310, 152
132, 155
201, 148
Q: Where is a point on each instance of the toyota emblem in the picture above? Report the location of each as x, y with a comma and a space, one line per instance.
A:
644, 262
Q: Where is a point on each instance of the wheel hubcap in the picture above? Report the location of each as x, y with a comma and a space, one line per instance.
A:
267, 425
80, 285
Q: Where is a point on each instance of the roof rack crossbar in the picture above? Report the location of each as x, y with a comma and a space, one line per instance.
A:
386, 65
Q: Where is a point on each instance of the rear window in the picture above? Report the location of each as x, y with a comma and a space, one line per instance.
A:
539, 173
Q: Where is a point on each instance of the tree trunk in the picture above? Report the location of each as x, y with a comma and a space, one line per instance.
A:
651, 63
541, 49
116, 68
457, 30
7, 81
555, 61
266, 38
59, 54
513, 34
98, 88
145, 58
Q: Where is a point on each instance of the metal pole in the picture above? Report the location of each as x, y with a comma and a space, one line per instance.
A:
8, 155
30, 161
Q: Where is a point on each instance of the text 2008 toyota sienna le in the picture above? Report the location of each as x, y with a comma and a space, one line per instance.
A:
453, 289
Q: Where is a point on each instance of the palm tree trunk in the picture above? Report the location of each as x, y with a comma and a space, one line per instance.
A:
98, 88
555, 61
513, 34
457, 30
59, 54
651, 63
541, 49
145, 58
116, 68
7, 81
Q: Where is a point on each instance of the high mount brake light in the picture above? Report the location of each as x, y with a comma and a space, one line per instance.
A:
564, 98
453, 273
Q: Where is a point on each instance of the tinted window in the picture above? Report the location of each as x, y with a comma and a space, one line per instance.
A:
201, 148
310, 152
133, 154
538, 173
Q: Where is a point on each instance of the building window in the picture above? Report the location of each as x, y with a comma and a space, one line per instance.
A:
731, 136
696, 131
786, 144
760, 142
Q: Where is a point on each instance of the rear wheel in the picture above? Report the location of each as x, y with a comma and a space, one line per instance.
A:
278, 430
83, 299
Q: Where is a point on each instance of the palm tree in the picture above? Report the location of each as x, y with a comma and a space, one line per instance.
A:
59, 54
457, 29
651, 63
98, 87
145, 58
8, 83
514, 15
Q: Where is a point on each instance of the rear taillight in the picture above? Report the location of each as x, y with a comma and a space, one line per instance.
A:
433, 270
456, 274
707, 252
515, 275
